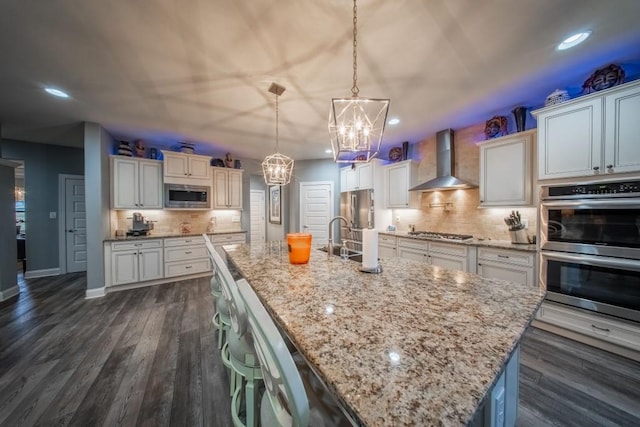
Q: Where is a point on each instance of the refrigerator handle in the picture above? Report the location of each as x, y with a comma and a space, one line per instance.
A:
352, 207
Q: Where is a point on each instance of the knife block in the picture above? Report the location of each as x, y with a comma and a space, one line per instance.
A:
519, 237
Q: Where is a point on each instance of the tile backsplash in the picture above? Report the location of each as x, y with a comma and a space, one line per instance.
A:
169, 221
461, 215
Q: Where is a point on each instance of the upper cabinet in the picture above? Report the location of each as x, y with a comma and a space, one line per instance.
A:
136, 183
181, 168
506, 171
227, 188
357, 177
398, 179
622, 130
591, 135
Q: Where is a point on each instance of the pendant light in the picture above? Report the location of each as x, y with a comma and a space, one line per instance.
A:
277, 168
356, 124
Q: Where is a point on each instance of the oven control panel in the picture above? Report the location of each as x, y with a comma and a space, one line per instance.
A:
624, 188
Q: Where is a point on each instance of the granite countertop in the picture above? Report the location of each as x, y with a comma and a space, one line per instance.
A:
489, 243
414, 345
166, 235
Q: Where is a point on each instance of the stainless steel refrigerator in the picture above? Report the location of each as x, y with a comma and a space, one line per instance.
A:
357, 208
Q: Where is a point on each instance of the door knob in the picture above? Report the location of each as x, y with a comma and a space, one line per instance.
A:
71, 230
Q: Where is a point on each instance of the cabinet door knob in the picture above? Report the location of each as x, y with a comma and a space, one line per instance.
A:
596, 168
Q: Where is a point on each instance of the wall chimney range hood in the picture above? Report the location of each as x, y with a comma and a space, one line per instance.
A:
444, 180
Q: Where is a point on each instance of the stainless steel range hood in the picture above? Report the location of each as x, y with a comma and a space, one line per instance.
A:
444, 180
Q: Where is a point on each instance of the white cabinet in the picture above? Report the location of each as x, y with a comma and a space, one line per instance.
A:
187, 169
622, 130
357, 177
227, 239
136, 183
417, 250
398, 178
506, 171
135, 261
185, 255
387, 246
592, 135
511, 265
604, 328
227, 188
448, 255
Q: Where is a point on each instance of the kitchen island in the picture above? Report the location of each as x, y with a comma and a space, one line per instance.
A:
414, 345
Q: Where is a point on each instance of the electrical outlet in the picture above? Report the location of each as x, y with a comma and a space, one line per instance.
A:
525, 222
235, 218
52, 215
397, 218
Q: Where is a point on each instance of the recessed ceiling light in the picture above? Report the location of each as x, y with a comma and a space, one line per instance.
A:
394, 121
574, 40
328, 151
56, 92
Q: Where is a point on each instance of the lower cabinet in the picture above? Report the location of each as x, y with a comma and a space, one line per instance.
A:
228, 239
135, 262
417, 250
155, 260
387, 246
185, 255
447, 255
603, 328
512, 265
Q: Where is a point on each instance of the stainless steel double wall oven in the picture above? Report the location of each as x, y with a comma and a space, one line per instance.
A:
590, 246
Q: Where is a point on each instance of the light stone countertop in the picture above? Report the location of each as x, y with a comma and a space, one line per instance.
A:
452, 332
167, 235
489, 243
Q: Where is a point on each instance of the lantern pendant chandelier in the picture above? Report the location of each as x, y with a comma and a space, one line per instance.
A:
356, 124
277, 168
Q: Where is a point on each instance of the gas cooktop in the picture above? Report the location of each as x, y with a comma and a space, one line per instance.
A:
443, 236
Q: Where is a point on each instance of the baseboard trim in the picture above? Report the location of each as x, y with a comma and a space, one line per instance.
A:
32, 274
9, 293
95, 293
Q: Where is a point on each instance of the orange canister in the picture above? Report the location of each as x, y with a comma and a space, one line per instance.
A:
299, 247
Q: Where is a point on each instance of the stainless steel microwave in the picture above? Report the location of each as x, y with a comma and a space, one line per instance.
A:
177, 196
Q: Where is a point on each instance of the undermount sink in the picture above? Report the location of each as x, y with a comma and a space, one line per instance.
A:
353, 255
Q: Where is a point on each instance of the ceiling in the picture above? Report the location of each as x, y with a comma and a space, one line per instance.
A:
169, 70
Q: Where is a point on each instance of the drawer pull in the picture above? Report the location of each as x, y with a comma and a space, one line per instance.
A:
188, 266
503, 256
187, 252
137, 244
188, 241
600, 329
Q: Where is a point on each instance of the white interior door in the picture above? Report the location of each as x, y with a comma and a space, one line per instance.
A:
316, 210
75, 225
258, 214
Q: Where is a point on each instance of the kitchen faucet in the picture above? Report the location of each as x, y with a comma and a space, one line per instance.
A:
330, 243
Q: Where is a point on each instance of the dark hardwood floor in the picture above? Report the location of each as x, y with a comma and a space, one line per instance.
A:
140, 357
148, 357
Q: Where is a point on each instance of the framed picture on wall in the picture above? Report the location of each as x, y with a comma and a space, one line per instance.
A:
275, 205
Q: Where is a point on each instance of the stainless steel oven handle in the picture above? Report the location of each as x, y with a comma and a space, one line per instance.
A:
609, 203
596, 261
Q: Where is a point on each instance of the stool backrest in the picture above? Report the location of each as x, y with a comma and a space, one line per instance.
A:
281, 377
214, 283
237, 310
